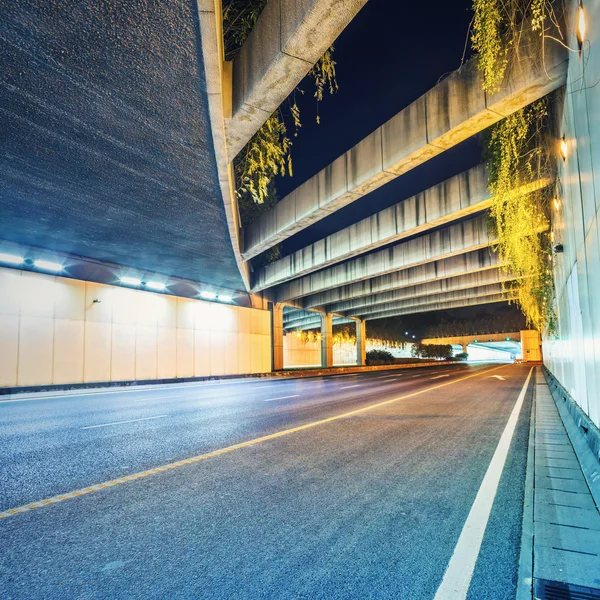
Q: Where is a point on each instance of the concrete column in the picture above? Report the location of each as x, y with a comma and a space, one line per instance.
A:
361, 343
464, 348
277, 337
326, 340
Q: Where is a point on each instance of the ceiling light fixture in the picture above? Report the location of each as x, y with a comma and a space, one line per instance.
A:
11, 259
156, 286
224, 298
208, 295
47, 265
130, 280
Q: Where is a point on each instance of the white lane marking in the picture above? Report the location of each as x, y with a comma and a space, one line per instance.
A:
440, 376
121, 422
498, 377
459, 573
282, 398
349, 386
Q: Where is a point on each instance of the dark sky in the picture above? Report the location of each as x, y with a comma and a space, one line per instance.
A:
389, 55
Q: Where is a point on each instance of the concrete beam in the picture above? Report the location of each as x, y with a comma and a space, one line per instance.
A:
465, 264
419, 309
464, 340
469, 293
453, 199
452, 111
431, 289
218, 87
287, 40
451, 241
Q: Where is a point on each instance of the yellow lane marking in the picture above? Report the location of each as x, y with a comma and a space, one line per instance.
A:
201, 457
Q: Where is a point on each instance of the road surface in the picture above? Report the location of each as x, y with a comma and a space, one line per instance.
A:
365, 497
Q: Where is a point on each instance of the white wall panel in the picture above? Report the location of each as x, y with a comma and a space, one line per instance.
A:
68, 349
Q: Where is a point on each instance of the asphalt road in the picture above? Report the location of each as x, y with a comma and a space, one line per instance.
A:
369, 505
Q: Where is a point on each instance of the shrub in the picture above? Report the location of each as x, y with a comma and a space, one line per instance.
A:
437, 351
380, 357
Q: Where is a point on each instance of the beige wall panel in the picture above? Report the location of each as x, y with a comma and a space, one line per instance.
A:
122, 367
98, 342
265, 318
217, 353
146, 352
125, 305
185, 353
68, 349
223, 318
244, 350
266, 353
9, 349
167, 352
186, 310
148, 306
100, 311
36, 341
37, 293
231, 353
202, 315
166, 308
255, 353
244, 320
10, 292
69, 299
255, 321
202, 353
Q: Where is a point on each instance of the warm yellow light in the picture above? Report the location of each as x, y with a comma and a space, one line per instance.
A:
564, 148
556, 204
580, 25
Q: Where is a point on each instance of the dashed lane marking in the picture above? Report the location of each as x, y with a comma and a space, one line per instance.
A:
202, 457
282, 398
123, 422
349, 386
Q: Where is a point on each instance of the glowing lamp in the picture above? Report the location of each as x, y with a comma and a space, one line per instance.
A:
580, 26
130, 280
47, 265
11, 259
224, 298
208, 295
556, 204
156, 286
564, 148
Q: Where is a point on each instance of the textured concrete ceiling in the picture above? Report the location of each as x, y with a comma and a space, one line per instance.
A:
105, 140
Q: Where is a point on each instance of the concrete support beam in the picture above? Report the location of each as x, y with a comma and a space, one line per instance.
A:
451, 241
326, 341
287, 40
277, 337
218, 87
452, 111
465, 264
455, 198
419, 309
361, 342
439, 286
471, 293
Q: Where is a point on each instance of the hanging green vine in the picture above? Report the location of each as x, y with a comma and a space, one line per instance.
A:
519, 152
499, 25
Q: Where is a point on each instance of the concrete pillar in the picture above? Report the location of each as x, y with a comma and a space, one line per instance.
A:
326, 340
464, 348
277, 337
361, 343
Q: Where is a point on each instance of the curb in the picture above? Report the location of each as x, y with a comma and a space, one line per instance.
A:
525, 575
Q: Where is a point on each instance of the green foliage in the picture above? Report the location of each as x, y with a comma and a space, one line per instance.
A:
380, 357
499, 25
519, 153
435, 351
239, 17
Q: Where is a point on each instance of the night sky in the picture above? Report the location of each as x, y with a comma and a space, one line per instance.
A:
389, 55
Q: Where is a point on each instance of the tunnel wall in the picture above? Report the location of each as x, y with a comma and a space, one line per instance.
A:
573, 353
52, 332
